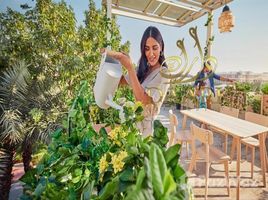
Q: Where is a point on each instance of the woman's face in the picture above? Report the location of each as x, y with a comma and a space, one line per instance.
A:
152, 51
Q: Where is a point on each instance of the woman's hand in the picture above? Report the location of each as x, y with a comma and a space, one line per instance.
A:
123, 58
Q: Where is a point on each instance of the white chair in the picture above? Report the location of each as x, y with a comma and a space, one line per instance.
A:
209, 153
183, 136
231, 112
252, 142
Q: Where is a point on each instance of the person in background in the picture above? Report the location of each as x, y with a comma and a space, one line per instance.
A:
202, 95
204, 83
148, 86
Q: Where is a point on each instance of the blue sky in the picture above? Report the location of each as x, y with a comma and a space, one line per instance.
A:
243, 49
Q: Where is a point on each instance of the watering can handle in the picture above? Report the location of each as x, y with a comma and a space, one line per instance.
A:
103, 58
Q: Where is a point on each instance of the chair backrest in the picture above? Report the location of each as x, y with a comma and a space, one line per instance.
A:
257, 118
203, 135
173, 126
230, 111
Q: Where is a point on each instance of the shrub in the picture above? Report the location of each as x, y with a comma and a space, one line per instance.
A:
264, 88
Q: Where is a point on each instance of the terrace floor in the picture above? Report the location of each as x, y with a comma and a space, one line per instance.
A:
251, 189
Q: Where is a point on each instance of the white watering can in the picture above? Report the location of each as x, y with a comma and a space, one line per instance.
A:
108, 77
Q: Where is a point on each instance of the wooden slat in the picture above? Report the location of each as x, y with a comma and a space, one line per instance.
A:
164, 11
229, 111
197, 5
178, 5
148, 6
215, 155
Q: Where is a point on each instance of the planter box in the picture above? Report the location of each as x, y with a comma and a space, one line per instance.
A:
241, 114
265, 104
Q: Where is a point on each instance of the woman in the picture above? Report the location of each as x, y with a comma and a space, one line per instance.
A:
205, 82
148, 86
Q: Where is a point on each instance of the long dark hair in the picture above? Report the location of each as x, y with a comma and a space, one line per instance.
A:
143, 68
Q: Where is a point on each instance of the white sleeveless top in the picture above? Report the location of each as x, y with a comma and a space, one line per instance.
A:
156, 87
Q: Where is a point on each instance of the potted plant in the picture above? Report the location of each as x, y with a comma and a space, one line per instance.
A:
181, 91
178, 96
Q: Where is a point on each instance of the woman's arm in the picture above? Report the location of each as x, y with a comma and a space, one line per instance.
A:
138, 90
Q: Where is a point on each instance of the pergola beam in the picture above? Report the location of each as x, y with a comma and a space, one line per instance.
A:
144, 16
185, 14
178, 5
196, 5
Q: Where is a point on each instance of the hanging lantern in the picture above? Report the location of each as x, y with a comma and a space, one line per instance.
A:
226, 20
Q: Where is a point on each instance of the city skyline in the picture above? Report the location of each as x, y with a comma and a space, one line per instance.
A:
243, 49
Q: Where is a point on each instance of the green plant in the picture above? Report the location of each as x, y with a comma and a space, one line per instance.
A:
181, 91
254, 100
56, 51
243, 87
90, 165
264, 88
161, 177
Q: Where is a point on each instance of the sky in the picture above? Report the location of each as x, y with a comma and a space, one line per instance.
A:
243, 49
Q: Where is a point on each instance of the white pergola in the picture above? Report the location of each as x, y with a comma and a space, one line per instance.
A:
169, 12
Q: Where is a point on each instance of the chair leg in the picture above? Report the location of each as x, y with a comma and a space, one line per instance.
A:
187, 152
207, 177
233, 149
252, 160
225, 143
266, 158
171, 140
226, 168
246, 152
192, 164
181, 143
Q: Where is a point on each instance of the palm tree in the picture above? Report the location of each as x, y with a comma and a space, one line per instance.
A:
13, 95
24, 101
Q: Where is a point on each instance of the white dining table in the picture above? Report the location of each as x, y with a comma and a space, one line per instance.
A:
235, 127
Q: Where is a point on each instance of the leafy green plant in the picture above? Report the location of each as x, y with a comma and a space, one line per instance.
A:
181, 91
160, 178
177, 93
254, 100
264, 88
243, 87
56, 51
91, 165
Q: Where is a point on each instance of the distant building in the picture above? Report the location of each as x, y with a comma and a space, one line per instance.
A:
245, 76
